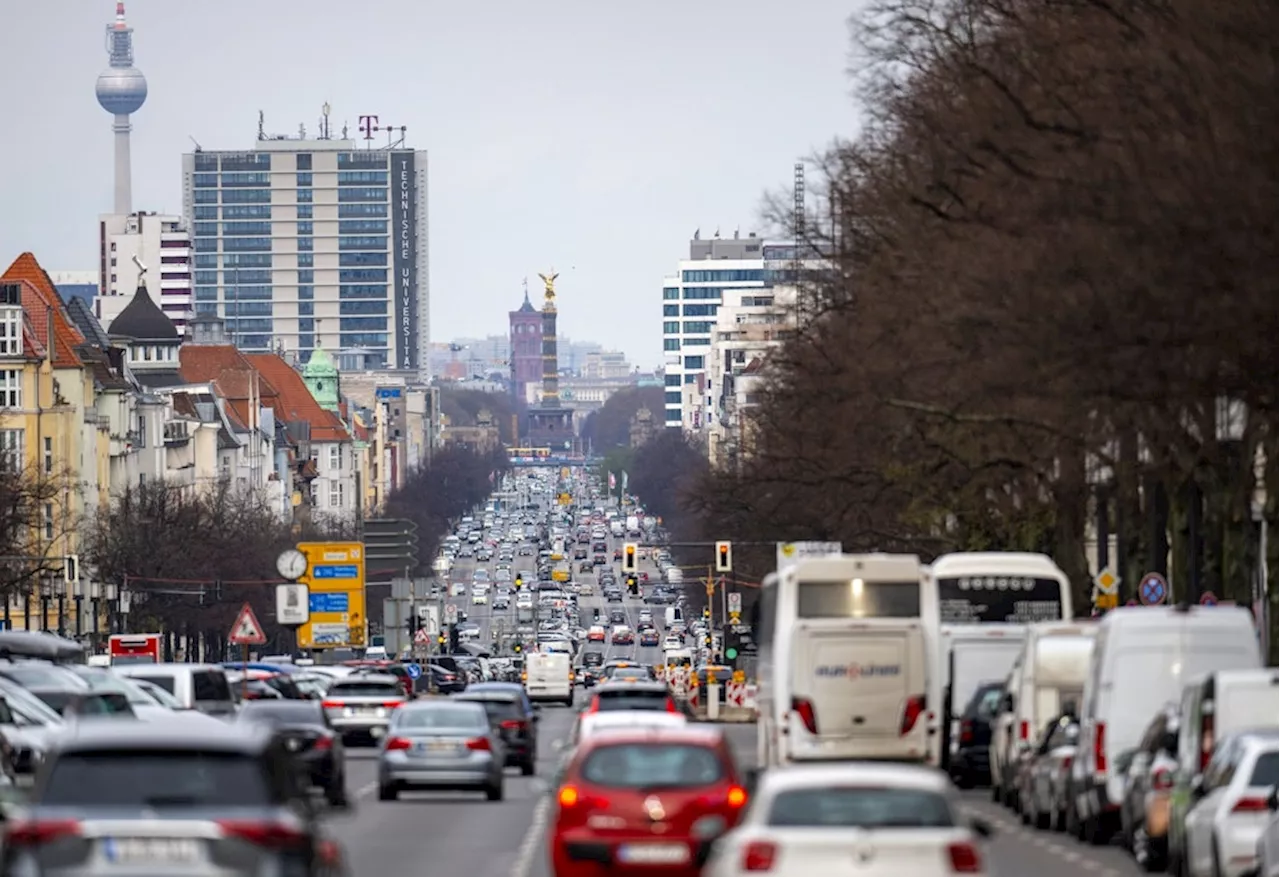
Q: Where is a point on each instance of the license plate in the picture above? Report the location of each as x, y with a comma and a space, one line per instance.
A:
653, 854
438, 746
150, 850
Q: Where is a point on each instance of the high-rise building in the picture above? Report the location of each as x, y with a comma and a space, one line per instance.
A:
129, 243
526, 351
303, 243
121, 90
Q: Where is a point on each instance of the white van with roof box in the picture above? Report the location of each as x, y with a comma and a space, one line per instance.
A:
1048, 675
1142, 658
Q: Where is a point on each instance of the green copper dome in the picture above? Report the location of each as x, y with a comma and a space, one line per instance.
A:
321, 378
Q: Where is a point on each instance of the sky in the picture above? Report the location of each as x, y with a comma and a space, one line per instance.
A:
589, 137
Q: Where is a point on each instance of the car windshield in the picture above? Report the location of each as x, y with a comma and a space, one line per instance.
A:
104, 681
860, 807
468, 717
296, 712
158, 694
1265, 770
623, 673
364, 689
652, 766
29, 707
137, 778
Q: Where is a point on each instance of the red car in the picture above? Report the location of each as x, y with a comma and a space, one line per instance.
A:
595, 634
643, 803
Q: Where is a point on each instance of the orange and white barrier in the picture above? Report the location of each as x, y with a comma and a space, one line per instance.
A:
740, 695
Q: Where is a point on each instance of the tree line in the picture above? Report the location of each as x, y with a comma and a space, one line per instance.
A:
190, 559
1047, 304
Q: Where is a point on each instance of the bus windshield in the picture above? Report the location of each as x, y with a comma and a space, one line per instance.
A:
857, 598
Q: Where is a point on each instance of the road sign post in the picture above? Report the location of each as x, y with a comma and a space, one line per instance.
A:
1208, 598
245, 632
1153, 590
735, 607
335, 580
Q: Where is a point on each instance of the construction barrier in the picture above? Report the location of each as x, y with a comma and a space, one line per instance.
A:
741, 695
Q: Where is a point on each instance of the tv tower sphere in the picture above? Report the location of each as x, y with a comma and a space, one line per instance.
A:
121, 90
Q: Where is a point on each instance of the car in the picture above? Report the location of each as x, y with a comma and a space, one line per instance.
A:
817, 819
635, 694
672, 642
515, 717
682, 777
622, 636
309, 738
360, 706
595, 634
441, 743
591, 724
145, 780
502, 601
649, 637
479, 597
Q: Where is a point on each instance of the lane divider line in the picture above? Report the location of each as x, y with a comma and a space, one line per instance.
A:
532, 838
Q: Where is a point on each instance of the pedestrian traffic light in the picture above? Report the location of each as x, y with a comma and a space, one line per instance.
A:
629, 557
724, 557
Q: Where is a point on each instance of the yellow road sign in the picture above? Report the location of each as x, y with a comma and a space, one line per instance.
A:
1103, 600
335, 579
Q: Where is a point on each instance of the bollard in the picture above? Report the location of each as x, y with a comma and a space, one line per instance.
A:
713, 701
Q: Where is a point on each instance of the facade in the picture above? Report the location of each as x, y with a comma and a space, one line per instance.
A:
301, 244
162, 245
748, 326
605, 365
691, 299
76, 284
525, 352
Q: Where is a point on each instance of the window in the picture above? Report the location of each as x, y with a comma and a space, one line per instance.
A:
335, 457
48, 520
48, 455
853, 807
11, 331
648, 765
694, 362
871, 600
670, 292
12, 446
671, 310
732, 275
135, 778
10, 388
337, 494
670, 343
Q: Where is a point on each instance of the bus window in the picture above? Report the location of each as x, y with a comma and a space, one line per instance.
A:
858, 598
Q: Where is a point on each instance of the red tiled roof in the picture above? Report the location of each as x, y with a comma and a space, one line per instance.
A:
296, 404
39, 298
231, 372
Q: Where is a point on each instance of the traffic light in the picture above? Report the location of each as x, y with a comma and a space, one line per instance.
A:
454, 639
517, 648
706, 640
519, 581
629, 557
724, 557
633, 585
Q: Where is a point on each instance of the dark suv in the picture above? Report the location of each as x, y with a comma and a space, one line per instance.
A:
514, 716
971, 763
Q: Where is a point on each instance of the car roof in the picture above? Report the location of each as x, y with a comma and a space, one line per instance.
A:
691, 735
907, 776
364, 678
632, 687
164, 732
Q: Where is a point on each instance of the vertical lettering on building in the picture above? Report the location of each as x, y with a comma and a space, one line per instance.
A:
404, 205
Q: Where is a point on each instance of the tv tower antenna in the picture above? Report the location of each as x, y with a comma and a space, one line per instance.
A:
121, 91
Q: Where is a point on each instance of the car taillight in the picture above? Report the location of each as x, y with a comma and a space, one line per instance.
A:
479, 744
912, 713
803, 707
1100, 747
1024, 730
331, 704
392, 704
1250, 805
568, 796
1162, 779
737, 796
398, 744
35, 832
322, 744
263, 834
966, 731
514, 725
964, 858
758, 856
452, 677
594, 706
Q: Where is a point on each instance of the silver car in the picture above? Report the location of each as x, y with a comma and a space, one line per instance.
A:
362, 706
438, 743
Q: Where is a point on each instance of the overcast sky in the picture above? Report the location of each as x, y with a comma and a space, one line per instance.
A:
586, 135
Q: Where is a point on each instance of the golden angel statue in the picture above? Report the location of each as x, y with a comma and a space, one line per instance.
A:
549, 285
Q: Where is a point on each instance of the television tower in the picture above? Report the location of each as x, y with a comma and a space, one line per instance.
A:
122, 90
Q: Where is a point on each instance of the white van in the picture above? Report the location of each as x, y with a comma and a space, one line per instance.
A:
1214, 705
674, 614
1142, 658
975, 654
1048, 675
548, 675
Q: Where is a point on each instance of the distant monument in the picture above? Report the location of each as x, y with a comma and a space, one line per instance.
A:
550, 423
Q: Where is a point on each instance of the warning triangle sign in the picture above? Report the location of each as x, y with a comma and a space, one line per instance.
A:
422, 638
246, 631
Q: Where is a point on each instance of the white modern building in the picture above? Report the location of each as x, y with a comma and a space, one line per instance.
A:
749, 325
306, 243
128, 243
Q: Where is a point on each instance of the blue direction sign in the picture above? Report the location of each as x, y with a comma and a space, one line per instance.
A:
332, 571
1153, 589
338, 601
1208, 598
414, 670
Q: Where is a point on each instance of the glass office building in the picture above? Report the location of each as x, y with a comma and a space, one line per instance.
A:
306, 243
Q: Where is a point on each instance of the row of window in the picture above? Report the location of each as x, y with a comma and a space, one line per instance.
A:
236, 229
691, 327
691, 311
355, 298
303, 178
13, 452
723, 275
702, 293
674, 345
354, 203
240, 260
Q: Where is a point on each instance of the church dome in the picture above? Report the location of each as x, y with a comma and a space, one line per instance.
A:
142, 320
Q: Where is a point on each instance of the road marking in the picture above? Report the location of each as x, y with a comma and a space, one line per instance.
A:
532, 837
366, 790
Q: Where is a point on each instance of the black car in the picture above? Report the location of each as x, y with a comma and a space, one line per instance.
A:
971, 763
512, 714
147, 779
443, 679
304, 730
